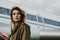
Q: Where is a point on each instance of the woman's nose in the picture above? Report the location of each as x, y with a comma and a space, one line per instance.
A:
16, 15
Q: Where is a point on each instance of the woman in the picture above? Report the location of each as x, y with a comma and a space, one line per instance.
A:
19, 29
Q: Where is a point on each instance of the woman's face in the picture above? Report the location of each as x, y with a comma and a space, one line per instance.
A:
16, 15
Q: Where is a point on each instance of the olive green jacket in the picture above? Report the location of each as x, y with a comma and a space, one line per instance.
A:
22, 33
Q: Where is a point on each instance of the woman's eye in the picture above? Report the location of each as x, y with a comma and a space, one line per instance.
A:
13, 13
18, 13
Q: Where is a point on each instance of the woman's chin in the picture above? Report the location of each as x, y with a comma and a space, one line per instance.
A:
16, 21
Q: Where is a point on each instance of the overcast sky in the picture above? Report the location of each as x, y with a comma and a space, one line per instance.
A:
43, 6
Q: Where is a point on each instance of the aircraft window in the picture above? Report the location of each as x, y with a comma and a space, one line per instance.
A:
0, 9
8, 11
40, 19
3, 10
31, 17
52, 22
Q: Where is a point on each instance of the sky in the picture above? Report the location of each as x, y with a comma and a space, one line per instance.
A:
42, 6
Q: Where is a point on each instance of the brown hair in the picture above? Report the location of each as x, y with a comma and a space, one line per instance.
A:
21, 12
22, 17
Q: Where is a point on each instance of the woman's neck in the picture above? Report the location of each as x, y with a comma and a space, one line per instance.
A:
17, 23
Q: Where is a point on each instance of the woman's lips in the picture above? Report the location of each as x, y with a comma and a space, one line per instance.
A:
16, 18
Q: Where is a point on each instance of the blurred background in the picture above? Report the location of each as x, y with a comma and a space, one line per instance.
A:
43, 16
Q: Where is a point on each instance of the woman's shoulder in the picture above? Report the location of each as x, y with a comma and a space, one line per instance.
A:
26, 25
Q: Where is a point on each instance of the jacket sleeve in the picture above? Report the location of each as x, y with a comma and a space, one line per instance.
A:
26, 33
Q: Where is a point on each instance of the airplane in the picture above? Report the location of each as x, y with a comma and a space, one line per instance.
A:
41, 24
